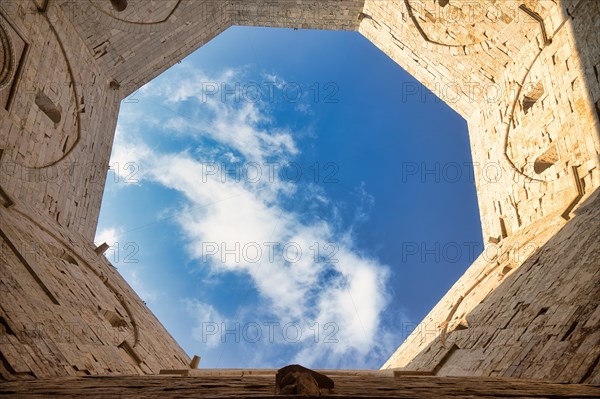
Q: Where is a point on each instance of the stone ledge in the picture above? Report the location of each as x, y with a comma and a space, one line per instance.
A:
255, 386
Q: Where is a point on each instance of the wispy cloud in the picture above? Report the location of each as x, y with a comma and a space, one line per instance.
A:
205, 314
123, 255
308, 269
108, 235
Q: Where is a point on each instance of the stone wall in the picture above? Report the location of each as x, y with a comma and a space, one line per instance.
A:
487, 72
258, 384
524, 74
66, 310
535, 151
54, 134
528, 308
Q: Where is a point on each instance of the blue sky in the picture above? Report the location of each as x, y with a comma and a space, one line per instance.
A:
288, 196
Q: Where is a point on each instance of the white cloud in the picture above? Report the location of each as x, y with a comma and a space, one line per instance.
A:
229, 115
275, 80
208, 320
304, 108
131, 273
343, 289
126, 158
108, 235
123, 255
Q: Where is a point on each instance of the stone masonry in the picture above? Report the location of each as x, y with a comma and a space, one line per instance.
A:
525, 74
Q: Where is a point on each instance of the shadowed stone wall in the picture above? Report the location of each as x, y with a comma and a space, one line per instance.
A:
524, 74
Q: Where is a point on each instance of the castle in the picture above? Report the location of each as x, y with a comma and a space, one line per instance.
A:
525, 74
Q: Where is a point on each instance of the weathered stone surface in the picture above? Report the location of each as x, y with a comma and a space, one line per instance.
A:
532, 311
298, 380
524, 74
298, 383
257, 387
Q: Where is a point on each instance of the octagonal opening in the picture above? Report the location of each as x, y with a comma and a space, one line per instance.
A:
273, 209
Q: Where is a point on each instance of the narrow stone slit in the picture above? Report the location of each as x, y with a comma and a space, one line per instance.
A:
7, 328
542, 311
7, 366
532, 96
503, 230
546, 160
51, 110
569, 332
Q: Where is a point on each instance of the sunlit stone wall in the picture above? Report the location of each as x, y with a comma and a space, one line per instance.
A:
524, 74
